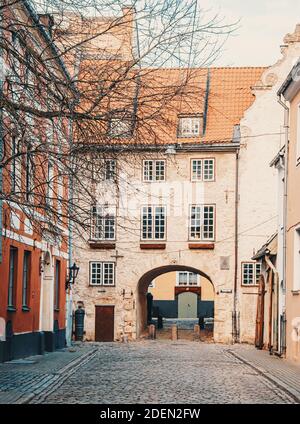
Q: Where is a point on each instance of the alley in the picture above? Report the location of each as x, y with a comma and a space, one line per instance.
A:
163, 372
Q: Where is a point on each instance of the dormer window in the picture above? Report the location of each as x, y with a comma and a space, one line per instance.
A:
189, 125
120, 127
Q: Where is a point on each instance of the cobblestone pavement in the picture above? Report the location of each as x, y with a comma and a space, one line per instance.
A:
163, 371
21, 380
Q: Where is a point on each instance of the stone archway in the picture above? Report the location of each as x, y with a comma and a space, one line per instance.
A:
47, 294
142, 289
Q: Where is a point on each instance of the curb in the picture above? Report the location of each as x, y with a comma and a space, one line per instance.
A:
295, 395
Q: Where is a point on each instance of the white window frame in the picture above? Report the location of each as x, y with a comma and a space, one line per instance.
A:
110, 174
296, 273
298, 135
202, 167
152, 285
188, 274
201, 218
153, 222
101, 273
107, 214
189, 121
155, 174
256, 271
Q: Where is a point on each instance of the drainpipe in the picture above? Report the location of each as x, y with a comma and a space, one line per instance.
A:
286, 155
235, 312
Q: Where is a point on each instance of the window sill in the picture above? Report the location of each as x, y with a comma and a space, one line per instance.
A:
147, 246
94, 244
11, 309
25, 309
295, 292
102, 286
250, 285
202, 246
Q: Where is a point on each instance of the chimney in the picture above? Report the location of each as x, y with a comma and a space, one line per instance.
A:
47, 21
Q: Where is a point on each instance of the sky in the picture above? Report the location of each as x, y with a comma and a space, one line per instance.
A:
262, 26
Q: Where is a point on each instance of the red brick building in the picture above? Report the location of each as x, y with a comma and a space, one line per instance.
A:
34, 265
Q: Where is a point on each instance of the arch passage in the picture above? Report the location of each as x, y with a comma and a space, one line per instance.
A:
144, 283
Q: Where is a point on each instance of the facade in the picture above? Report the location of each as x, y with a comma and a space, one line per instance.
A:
173, 209
34, 262
289, 95
262, 136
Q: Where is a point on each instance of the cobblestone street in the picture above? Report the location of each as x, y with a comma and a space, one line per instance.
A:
164, 372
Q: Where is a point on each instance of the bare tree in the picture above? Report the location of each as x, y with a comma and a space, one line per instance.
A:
82, 81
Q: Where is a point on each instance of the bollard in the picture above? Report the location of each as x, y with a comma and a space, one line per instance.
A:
152, 331
174, 333
196, 332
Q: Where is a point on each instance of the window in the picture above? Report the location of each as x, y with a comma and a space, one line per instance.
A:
109, 169
202, 222
16, 169
296, 277
103, 223
50, 178
26, 278
250, 273
185, 278
154, 170
203, 169
189, 126
57, 285
29, 174
298, 135
153, 222
102, 274
13, 258
120, 127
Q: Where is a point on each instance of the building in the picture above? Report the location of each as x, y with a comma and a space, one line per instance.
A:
168, 205
182, 294
289, 97
34, 240
262, 137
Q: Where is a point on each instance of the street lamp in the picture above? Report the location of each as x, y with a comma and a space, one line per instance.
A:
73, 272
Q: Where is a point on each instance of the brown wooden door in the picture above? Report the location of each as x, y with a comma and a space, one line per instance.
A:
104, 323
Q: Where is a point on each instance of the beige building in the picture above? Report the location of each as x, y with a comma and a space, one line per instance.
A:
170, 206
262, 136
290, 95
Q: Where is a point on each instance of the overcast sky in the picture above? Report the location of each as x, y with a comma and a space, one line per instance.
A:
262, 28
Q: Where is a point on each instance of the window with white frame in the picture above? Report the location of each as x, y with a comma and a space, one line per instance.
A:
154, 170
102, 273
103, 222
298, 134
202, 222
110, 166
250, 273
120, 127
186, 278
152, 285
189, 126
203, 169
296, 276
153, 222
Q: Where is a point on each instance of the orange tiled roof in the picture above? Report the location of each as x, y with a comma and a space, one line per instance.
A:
229, 96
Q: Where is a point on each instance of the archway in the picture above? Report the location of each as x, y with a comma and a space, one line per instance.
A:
47, 295
151, 275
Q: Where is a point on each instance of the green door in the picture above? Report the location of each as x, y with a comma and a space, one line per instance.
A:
187, 305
